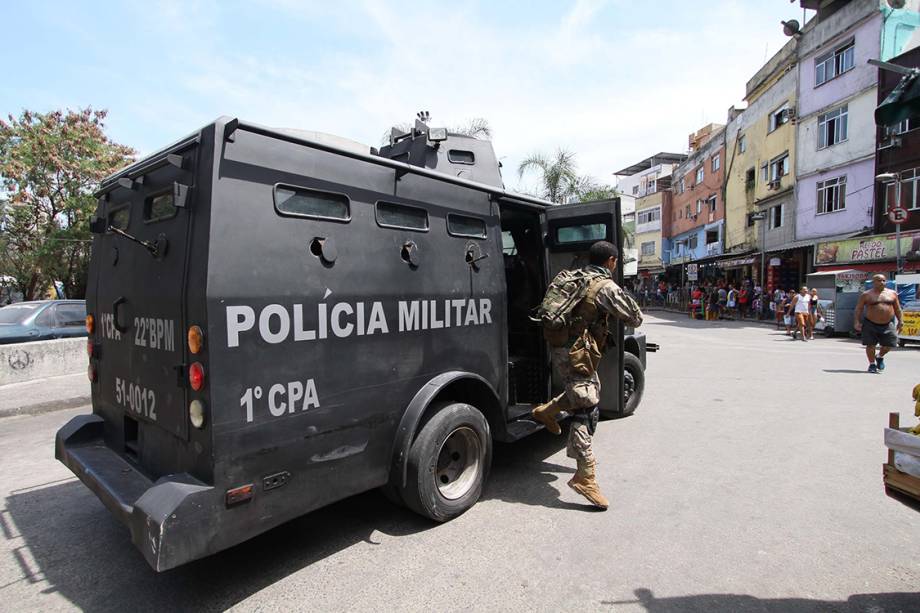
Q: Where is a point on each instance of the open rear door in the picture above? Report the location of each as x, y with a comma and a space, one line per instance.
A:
569, 232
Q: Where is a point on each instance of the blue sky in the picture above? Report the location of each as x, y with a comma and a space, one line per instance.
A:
613, 81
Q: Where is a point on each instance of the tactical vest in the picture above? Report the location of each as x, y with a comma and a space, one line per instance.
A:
587, 315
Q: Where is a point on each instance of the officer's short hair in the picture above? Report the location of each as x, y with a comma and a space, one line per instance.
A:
601, 251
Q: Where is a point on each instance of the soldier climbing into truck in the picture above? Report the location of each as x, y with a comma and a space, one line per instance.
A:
575, 314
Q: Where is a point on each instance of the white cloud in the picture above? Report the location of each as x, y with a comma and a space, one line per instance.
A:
613, 96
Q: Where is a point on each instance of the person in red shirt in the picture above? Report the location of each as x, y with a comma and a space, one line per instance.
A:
696, 302
744, 299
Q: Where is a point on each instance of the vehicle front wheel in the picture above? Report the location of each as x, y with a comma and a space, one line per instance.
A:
633, 386
448, 462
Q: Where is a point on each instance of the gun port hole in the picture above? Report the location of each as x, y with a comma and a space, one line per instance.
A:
316, 247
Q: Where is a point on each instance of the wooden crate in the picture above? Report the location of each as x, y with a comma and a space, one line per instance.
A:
896, 481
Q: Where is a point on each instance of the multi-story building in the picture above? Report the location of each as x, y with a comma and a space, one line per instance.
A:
835, 166
649, 181
697, 206
760, 183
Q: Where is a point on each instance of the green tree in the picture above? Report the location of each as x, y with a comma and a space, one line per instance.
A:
49, 165
598, 192
559, 180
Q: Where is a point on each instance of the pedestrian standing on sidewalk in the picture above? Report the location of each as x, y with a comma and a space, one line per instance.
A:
779, 303
713, 302
813, 313
802, 313
696, 303
788, 319
744, 299
875, 319
723, 299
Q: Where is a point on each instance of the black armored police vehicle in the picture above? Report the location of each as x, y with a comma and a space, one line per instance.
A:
279, 319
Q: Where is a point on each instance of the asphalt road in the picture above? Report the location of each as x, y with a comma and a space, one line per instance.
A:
749, 480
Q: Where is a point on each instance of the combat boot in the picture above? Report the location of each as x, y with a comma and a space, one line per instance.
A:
585, 484
546, 415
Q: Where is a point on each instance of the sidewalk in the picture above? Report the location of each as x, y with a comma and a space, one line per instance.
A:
44, 395
652, 309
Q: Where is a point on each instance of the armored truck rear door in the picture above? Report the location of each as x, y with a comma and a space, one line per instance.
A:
140, 310
569, 232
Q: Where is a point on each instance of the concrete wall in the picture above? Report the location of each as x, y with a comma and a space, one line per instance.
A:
860, 197
27, 361
901, 30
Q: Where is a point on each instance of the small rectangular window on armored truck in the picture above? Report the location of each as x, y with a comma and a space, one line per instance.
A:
294, 201
581, 233
401, 216
459, 156
469, 227
160, 207
120, 217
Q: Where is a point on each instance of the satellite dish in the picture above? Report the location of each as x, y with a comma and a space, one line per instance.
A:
896, 4
791, 27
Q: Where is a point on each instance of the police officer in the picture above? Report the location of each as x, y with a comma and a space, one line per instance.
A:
573, 361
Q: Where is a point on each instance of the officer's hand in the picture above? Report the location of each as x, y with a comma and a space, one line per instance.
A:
900, 326
857, 326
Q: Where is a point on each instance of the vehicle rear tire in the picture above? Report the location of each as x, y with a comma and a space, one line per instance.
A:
633, 386
448, 462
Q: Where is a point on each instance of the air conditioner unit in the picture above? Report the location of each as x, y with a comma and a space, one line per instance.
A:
789, 115
892, 142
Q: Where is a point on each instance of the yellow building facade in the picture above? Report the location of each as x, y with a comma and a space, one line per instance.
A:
760, 159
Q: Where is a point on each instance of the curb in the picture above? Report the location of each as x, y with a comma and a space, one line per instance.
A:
46, 407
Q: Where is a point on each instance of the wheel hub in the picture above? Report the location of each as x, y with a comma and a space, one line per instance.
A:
458, 463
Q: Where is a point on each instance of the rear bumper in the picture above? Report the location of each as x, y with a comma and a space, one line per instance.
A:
167, 518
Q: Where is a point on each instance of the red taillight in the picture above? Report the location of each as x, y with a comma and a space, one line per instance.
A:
239, 494
196, 376
89, 348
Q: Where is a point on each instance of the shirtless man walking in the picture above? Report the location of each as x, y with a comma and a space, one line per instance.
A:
877, 324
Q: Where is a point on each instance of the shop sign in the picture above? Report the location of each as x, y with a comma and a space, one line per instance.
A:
911, 324
776, 262
851, 281
692, 272
736, 262
877, 248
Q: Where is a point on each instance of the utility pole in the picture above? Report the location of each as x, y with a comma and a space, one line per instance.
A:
762, 217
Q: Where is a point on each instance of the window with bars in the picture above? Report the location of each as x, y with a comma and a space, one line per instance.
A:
648, 216
832, 195
910, 186
648, 248
835, 63
832, 127
775, 215
779, 167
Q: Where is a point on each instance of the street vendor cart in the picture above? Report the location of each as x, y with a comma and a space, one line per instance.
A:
838, 293
908, 286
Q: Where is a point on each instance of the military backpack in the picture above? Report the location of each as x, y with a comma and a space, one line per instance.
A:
556, 314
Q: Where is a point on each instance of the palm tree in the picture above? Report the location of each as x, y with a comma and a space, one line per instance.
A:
559, 181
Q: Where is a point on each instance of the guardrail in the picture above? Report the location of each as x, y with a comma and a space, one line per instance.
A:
28, 361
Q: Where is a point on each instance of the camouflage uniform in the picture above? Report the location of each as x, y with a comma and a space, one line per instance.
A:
582, 392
